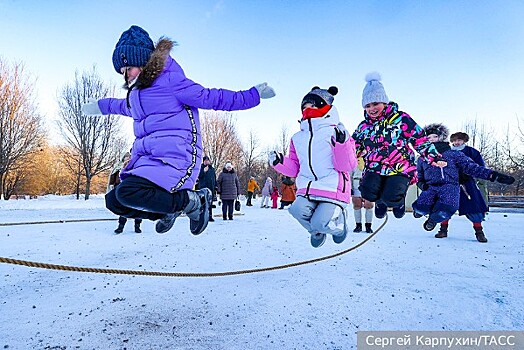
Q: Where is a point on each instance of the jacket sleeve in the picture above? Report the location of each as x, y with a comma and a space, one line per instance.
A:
237, 183
291, 165
419, 141
420, 171
469, 167
114, 106
344, 156
357, 138
195, 95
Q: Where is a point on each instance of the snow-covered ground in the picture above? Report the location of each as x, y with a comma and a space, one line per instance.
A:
403, 279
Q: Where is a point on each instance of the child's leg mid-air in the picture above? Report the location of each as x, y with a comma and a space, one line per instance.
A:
385, 191
320, 219
137, 197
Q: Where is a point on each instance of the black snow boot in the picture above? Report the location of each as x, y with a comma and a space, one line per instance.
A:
399, 212
429, 225
358, 227
137, 226
164, 224
380, 210
121, 223
443, 232
368, 227
197, 210
481, 237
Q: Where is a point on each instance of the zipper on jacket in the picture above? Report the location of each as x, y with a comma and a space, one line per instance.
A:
345, 180
309, 151
307, 189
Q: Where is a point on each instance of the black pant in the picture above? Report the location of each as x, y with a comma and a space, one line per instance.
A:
283, 204
227, 208
249, 196
390, 190
122, 221
138, 198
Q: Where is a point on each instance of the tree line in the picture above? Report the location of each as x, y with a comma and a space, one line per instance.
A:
92, 146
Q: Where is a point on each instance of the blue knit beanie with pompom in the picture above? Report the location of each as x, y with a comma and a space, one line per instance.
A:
133, 49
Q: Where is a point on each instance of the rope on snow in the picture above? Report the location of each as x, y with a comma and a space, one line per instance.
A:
183, 274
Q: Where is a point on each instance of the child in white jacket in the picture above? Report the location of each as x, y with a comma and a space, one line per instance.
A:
266, 193
321, 155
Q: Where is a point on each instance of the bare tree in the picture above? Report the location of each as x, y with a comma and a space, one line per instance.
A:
481, 138
284, 140
96, 140
253, 159
20, 124
513, 148
220, 139
515, 145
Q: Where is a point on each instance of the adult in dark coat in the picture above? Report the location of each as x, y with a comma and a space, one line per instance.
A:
207, 178
228, 187
114, 181
440, 186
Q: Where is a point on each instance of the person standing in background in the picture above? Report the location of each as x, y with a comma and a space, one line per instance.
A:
207, 179
251, 186
114, 180
266, 193
289, 191
228, 187
358, 201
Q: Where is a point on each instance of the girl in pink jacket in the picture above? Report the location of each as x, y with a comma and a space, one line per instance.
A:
321, 155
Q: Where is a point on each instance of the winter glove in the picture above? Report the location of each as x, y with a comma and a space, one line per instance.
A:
265, 91
91, 107
341, 134
502, 178
423, 185
275, 158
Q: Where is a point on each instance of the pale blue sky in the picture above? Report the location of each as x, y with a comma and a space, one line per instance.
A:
442, 61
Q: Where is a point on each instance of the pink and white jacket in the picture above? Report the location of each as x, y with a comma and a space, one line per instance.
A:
321, 165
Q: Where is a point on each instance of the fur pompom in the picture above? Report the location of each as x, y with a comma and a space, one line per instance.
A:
373, 76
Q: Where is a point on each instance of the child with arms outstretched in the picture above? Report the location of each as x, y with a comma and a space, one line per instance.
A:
321, 155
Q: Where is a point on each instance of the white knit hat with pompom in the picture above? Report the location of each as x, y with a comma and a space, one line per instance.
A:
373, 91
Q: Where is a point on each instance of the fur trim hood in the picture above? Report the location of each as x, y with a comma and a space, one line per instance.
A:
438, 129
156, 63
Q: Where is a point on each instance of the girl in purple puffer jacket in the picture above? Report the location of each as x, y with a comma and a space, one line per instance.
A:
167, 152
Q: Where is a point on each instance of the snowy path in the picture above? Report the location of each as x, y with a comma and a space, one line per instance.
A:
404, 279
